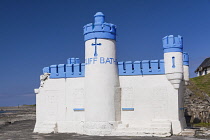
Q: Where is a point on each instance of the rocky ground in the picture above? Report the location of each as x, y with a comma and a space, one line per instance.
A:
18, 123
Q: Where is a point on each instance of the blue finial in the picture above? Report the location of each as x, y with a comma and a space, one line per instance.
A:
99, 29
172, 44
99, 18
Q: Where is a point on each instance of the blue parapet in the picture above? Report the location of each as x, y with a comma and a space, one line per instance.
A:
61, 71
128, 67
121, 68
54, 71
66, 71
77, 71
99, 29
185, 59
172, 44
69, 70
46, 70
137, 65
145, 67
73, 70
82, 69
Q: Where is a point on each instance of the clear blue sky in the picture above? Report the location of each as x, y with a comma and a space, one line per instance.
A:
38, 33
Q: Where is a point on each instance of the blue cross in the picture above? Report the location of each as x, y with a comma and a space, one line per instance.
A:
95, 53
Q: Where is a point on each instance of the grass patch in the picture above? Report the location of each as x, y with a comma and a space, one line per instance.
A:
200, 84
201, 125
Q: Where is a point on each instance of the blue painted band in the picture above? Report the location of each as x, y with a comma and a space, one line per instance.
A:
166, 50
99, 35
186, 63
78, 109
185, 59
128, 109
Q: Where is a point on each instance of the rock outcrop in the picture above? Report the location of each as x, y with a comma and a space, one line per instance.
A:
197, 108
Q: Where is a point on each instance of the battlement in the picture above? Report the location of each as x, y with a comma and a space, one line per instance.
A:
185, 59
65, 70
99, 29
145, 67
172, 44
76, 69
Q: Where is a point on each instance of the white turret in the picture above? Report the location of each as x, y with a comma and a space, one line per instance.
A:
101, 76
173, 59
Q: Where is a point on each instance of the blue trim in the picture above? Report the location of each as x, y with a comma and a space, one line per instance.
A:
99, 29
67, 71
144, 67
172, 44
127, 109
46, 70
185, 59
79, 109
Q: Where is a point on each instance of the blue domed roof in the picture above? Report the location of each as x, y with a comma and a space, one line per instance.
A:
98, 14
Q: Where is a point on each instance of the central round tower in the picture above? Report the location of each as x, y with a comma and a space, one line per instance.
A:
101, 76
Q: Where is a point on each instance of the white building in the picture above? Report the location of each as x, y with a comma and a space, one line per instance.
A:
106, 97
204, 67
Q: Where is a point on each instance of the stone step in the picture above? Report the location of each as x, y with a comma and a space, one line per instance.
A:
45, 127
188, 132
161, 132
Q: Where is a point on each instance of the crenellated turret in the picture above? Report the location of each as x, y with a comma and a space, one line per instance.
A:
99, 29
186, 67
101, 75
173, 48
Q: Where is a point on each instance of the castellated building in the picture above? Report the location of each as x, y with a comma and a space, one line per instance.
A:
106, 97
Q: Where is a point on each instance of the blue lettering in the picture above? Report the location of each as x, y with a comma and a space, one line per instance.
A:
112, 59
102, 60
90, 60
94, 59
107, 60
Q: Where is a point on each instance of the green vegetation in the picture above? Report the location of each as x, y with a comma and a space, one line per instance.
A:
200, 84
201, 125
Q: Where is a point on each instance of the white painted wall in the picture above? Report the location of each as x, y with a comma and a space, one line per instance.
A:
155, 101
55, 103
174, 74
